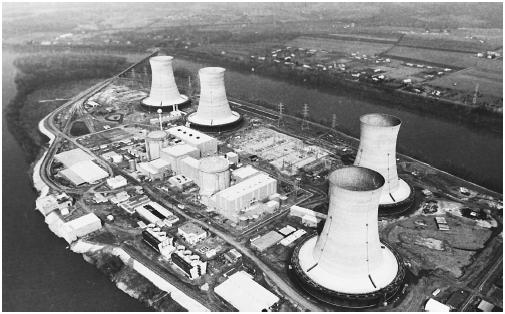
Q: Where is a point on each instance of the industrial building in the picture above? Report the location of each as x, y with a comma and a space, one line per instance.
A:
245, 294
214, 111
134, 202
377, 151
180, 181
112, 156
164, 93
205, 143
175, 153
80, 168
155, 141
154, 169
190, 168
157, 214
192, 233
231, 201
189, 263
117, 182
159, 241
51, 202
267, 240
240, 174
84, 225
348, 259
214, 175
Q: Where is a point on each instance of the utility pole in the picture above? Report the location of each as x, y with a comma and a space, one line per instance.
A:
159, 115
305, 114
280, 121
190, 89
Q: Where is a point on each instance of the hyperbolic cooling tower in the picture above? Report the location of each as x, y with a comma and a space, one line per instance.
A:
377, 151
164, 93
347, 264
213, 108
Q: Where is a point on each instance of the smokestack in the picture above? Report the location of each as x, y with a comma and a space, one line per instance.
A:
377, 151
347, 259
164, 93
213, 108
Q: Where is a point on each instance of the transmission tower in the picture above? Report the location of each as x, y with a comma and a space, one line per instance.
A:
475, 95
280, 121
334, 121
305, 114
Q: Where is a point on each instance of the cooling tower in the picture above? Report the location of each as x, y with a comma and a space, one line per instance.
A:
213, 109
377, 151
214, 175
347, 264
155, 141
164, 93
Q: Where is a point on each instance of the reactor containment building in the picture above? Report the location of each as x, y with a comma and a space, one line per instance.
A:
213, 113
164, 93
347, 265
377, 151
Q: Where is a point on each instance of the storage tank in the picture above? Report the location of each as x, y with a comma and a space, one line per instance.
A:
213, 109
164, 94
214, 175
348, 259
155, 141
377, 151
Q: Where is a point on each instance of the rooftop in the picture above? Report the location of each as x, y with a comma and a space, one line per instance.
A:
245, 294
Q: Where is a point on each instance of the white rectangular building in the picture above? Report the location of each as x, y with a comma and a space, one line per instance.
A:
85, 224
174, 154
190, 168
206, 144
117, 182
245, 294
241, 195
241, 174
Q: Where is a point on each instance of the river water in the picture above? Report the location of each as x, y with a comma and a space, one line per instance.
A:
39, 274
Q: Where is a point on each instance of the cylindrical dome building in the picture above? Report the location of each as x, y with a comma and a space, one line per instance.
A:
213, 109
164, 94
347, 265
377, 151
155, 141
214, 175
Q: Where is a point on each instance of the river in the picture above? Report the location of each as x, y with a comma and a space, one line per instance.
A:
38, 273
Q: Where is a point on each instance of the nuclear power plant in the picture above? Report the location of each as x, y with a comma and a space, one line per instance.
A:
347, 265
377, 151
214, 175
164, 94
213, 111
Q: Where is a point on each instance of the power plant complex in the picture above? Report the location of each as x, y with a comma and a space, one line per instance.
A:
377, 151
347, 265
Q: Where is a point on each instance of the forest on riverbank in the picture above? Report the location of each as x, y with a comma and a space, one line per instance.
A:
51, 77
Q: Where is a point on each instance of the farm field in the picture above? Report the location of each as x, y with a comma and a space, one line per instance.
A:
490, 84
440, 41
343, 46
450, 59
244, 50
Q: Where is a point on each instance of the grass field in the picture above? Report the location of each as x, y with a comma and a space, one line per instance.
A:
339, 45
450, 59
490, 83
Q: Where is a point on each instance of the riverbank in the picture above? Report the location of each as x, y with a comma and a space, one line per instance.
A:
323, 81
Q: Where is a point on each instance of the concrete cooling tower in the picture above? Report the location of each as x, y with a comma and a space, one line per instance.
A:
164, 93
377, 151
347, 265
213, 109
